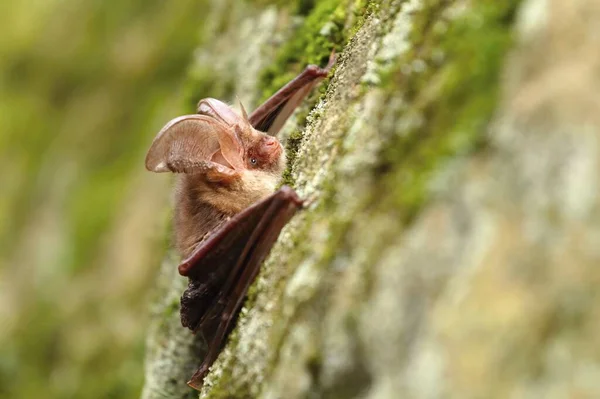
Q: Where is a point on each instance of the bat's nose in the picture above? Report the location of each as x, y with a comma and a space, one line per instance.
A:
271, 147
270, 142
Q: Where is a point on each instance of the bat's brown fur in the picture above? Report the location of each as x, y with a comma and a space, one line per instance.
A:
201, 206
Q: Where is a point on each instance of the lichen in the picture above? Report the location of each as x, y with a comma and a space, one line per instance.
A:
449, 84
323, 30
416, 82
439, 94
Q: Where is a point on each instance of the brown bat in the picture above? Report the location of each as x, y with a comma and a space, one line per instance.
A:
227, 215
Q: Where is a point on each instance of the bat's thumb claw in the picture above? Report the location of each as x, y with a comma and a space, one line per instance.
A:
310, 201
332, 59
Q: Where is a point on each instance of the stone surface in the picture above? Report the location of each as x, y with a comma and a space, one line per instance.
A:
453, 247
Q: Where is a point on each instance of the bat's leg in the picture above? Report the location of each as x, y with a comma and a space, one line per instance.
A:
284, 205
210, 329
271, 115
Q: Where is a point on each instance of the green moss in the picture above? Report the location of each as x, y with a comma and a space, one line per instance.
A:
450, 81
322, 31
361, 10
291, 149
228, 386
298, 7
319, 34
170, 309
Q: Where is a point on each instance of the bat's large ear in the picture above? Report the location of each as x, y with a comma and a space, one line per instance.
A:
221, 111
196, 144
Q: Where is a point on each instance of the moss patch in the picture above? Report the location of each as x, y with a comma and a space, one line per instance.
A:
450, 80
296, 7
319, 34
324, 30
448, 86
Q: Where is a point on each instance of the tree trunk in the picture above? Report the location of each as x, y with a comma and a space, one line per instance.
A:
453, 247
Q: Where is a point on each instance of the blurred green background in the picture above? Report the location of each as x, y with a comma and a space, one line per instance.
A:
84, 88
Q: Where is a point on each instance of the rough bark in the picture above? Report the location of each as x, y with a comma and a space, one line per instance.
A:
453, 247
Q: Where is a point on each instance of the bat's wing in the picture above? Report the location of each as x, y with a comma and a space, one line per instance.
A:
222, 268
215, 259
272, 114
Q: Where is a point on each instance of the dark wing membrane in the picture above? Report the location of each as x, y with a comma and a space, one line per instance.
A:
261, 225
272, 114
212, 262
275, 120
265, 123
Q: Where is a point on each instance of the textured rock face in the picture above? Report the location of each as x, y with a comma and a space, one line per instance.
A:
454, 245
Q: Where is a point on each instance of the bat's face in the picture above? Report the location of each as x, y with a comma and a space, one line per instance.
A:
261, 151
231, 163
217, 143
263, 162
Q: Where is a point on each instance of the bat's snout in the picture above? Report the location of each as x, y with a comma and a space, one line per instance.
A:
271, 142
274, 147
271, 148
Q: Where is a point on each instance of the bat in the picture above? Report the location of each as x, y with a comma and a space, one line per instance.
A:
227, 212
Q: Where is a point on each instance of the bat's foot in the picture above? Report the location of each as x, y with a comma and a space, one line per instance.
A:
288, 193
318, 72
198, 378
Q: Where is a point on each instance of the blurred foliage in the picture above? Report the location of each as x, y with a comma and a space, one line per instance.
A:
85, 86
296, 7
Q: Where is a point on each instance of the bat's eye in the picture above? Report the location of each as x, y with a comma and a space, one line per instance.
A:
253, 161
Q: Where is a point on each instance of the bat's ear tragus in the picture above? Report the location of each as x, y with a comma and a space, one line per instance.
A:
244, 113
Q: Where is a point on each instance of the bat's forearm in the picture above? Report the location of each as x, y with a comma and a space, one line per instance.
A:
271, 115
217, 289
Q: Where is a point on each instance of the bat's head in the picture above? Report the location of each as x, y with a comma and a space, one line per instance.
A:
261, 152
222, 149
